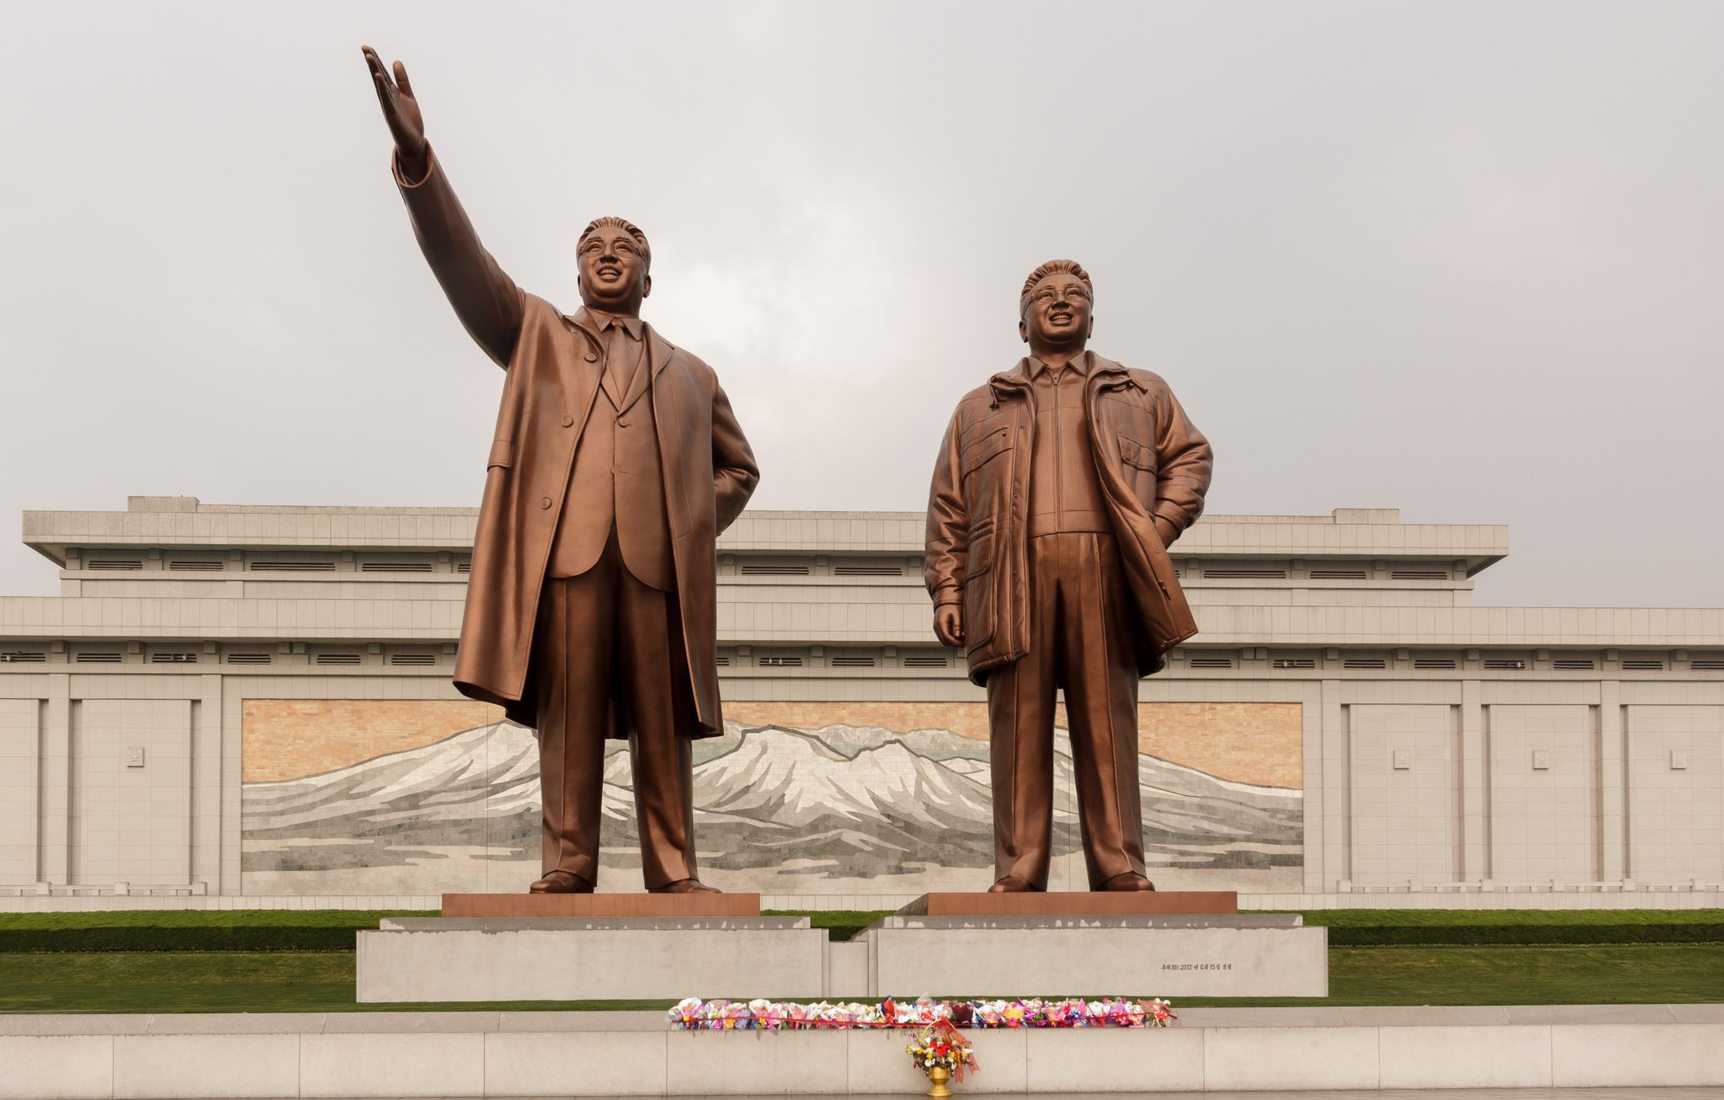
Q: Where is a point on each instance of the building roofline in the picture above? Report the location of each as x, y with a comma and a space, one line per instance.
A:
187, 523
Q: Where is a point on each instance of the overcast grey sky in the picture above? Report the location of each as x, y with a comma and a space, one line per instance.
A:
1463, 259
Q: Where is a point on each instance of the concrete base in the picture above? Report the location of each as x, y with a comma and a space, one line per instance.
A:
576, 959
1252, 955
534, 1054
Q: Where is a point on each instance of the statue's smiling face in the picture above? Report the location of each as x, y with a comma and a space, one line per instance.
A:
613, 269
1058, 310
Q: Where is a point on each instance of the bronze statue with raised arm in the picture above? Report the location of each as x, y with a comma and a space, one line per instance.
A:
591, 608
1059, 486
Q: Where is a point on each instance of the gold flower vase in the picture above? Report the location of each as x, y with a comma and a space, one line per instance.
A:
937, 1077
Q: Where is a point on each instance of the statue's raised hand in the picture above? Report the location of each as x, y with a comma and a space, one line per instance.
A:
401, 112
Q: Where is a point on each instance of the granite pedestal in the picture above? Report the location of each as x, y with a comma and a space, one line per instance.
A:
589, 958
636, 947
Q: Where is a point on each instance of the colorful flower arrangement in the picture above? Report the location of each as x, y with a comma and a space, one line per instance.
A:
939, 1046
694, 1014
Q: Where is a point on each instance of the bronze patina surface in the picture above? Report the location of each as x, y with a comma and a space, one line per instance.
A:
1058, 488
591, 608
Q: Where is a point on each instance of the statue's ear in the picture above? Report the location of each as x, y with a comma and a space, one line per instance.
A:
646, 285
1023, 332
1091, 330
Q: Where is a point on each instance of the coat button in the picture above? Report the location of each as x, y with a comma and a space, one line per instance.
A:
568, 421
544, 502
622, 423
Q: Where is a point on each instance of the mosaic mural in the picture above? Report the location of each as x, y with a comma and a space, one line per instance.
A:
346, 797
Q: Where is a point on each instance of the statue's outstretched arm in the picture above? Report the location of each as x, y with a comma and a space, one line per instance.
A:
486, 300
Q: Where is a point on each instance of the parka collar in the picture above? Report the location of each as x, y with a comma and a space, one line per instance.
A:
1017, 379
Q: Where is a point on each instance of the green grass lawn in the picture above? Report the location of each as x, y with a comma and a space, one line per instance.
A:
239, 981
302, 960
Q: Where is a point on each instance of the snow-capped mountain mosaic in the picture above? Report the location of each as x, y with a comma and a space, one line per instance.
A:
841, 809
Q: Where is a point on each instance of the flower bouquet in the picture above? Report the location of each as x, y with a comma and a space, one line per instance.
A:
943, 1054
694, 1014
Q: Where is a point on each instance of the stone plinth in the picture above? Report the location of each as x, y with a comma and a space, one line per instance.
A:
590, 958
1072, 904
1166, 955
608, 1054
601, 905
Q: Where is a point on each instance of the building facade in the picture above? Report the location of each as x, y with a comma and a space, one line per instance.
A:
233, 700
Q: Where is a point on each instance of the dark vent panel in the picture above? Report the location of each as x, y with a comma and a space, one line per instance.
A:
249, 658
779, 662
337, 659
853, 662
22, 657
292, 567
927, 662
126, 564
395, 567
412, 660
772, 569
173, 658
1433, 664
191, 565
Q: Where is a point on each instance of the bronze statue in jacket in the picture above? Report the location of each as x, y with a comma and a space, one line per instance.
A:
1059, 486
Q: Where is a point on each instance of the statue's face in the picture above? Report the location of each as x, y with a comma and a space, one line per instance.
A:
613, 270
1058, 312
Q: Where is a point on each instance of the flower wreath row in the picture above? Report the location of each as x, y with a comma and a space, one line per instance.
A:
694, 1014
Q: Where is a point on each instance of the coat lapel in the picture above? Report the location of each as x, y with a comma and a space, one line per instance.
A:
586, 365
659, 352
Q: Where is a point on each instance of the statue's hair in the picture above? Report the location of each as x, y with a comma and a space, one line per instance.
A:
620, 223
1052, 267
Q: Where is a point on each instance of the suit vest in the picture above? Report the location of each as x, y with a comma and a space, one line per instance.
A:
617, 483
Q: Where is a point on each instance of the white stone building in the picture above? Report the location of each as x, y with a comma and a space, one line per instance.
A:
229, 700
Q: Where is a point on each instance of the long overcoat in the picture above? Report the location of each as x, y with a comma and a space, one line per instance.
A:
554, 364
1151, 462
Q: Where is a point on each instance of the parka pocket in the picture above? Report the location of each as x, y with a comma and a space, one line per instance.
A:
502, 454
1136, 455
979, 584
979, 558
980, 451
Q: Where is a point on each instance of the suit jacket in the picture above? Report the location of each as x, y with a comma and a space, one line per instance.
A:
1150, 460
554, 364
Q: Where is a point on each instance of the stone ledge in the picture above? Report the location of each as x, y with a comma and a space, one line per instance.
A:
536, 1054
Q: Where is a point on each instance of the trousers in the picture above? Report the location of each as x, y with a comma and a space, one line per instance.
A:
607, 642
1080, 641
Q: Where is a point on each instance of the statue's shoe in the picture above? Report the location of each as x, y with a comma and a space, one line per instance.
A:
1128, 882
1012, 884
561, 882
685, 886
